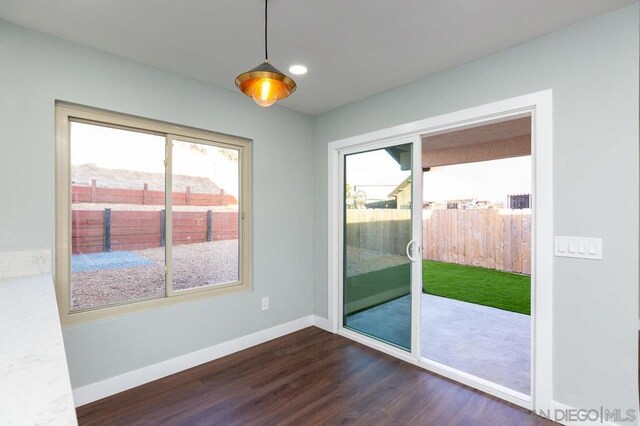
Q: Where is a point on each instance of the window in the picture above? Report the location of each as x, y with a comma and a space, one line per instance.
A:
147, 213
521, 201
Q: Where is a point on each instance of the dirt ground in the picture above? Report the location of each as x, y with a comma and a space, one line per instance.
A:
194, 265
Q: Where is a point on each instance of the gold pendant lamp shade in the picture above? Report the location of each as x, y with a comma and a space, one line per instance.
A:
265, 83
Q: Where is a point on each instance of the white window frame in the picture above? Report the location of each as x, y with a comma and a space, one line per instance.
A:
67, 113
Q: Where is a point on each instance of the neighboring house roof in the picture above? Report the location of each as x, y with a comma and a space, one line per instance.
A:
400, 187
82, 174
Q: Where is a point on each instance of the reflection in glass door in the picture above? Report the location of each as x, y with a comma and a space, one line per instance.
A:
376, 242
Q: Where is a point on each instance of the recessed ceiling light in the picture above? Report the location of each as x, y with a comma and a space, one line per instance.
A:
298, 69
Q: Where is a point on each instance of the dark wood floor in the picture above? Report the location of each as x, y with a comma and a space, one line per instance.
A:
305, 378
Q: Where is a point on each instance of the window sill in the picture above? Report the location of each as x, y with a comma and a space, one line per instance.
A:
134, 306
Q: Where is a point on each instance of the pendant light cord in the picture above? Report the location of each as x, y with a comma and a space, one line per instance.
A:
266, 51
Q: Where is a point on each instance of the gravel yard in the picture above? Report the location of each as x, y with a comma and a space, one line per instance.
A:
360, 261
194, 265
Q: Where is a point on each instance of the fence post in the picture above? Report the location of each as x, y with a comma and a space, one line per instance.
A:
94, 191
107, 230
145, 194
209, 224
163, 228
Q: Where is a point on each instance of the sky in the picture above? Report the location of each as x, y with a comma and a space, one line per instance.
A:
374, 172
377, 174
122, 149
486, 180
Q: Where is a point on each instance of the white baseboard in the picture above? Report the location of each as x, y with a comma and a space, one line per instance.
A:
322, 323
102, 389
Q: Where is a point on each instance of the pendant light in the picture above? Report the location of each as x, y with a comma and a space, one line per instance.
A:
265, 83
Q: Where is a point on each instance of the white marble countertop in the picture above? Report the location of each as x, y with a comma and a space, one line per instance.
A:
34, 378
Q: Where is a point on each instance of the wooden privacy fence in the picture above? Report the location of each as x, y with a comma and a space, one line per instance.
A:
491, 238
144, 196
384, 230
106, 230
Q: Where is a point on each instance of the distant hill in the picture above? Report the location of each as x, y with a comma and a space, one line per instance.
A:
82, 174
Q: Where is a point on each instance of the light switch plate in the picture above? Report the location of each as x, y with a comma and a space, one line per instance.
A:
580, 247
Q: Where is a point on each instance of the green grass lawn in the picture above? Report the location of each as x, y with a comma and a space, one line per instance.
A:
502, 290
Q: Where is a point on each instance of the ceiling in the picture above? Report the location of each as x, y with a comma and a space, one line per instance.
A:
353, 49
498, 131
505, 138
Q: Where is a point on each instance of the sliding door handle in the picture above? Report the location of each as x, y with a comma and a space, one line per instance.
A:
408, 250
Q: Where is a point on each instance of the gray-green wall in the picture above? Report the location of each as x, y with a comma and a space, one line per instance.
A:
592, 68
36, 69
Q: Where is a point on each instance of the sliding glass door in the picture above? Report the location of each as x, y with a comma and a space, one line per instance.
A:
379, 243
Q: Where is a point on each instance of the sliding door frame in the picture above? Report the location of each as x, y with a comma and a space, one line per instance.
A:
416, 234
540, 107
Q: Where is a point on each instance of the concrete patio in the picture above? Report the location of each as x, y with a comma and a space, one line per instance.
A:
487, 342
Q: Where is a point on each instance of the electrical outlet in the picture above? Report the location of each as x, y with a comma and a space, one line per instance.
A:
265, 303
